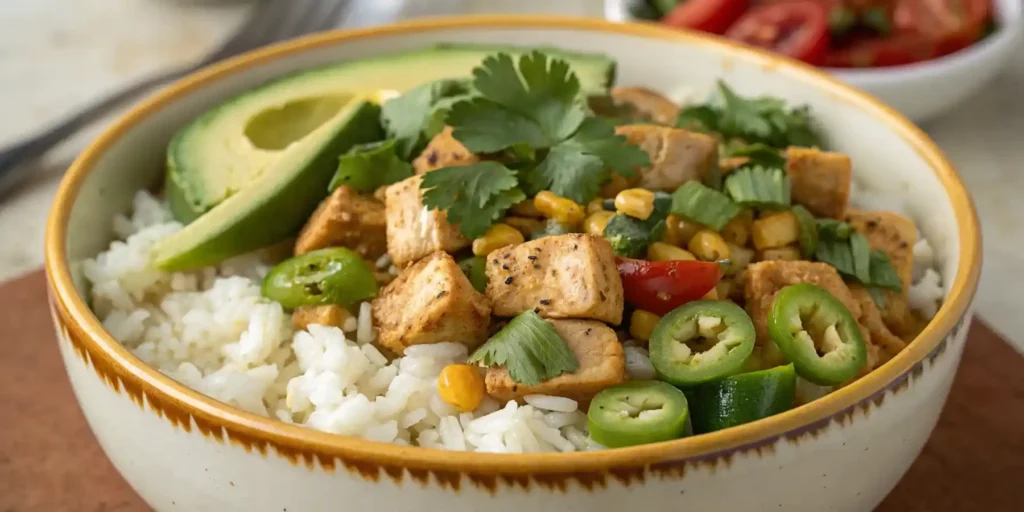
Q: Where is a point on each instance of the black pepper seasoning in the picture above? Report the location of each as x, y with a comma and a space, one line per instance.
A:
508, 280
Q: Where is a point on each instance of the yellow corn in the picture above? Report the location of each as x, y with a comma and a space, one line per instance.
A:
712, 294
462, 386
616, 184
525, 209
775, 230
595, 223
597, 205
324, 314
708, 246
679, 231
525, 225
497, 237
635, 202
660, 251
739, 258
554, 206
641, 324
788, 253
737, 231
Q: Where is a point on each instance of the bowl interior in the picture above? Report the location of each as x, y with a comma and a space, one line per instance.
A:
888, 153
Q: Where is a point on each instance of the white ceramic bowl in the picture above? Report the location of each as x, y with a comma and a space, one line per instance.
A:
924, 90
183, 451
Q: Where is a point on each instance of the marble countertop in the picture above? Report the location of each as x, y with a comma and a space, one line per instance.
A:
56, 55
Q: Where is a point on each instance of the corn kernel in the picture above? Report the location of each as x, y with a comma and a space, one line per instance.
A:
659, 251
724, 289
712, 294
635, 202
323, 314
553, 206
737, 231
595, 223
708, 246
595, 206
497, 237
462, 386
679, 231
788, 253
525, 209
525, 225
775, 230
616, 184
641, 324
739, 258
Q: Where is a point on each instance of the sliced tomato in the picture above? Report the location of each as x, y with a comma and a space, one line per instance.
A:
660, 287
797, 29
897, 50
712, 16
952, 24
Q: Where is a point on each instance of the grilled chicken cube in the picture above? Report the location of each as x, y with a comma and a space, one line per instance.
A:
677, 155
890, 232
764, 279
431, 302
414, 231
323, 314
643, 104
444, 150
346, 219
602, 364
880, 336
561, 276
820, 180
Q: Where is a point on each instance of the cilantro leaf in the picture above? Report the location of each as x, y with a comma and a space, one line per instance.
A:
368, 166
529, 348
406, 116
474, 195
539, 104
577, 167
760, 154
763, 119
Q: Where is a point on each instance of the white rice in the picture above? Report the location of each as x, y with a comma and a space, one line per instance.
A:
212, 330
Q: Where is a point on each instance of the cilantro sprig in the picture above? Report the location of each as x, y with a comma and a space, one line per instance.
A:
529, 348
763, 119
530, 122
368, 166
407, 118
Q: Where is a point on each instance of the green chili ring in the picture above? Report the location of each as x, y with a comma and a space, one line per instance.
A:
701, 341
638, 412
817, 333
327, 276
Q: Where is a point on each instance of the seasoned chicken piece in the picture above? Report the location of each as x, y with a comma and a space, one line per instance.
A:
431, 302
346, 219
602, 364
677, 155
413, 231
764, 279
890, 232
324, 314
443, 151
820, 180
562, 276
879, 335
644, 104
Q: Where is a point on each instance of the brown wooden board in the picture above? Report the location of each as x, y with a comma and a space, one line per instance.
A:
49, 460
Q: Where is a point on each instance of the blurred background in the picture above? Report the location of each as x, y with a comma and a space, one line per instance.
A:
58, 56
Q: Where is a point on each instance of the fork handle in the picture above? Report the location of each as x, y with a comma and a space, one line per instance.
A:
13, 173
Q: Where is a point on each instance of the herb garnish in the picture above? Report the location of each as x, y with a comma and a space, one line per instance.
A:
529, 348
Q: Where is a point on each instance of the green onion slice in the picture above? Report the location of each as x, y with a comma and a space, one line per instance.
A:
808, 231
759, 187
702, 204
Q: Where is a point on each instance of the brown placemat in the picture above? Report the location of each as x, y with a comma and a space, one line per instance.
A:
49, 460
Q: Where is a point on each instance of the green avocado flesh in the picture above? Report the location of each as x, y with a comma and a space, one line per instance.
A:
250, 171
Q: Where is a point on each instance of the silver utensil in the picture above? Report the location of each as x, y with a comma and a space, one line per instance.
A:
269, 21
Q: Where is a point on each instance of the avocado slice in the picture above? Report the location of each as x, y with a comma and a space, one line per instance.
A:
278, 199
248, 173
